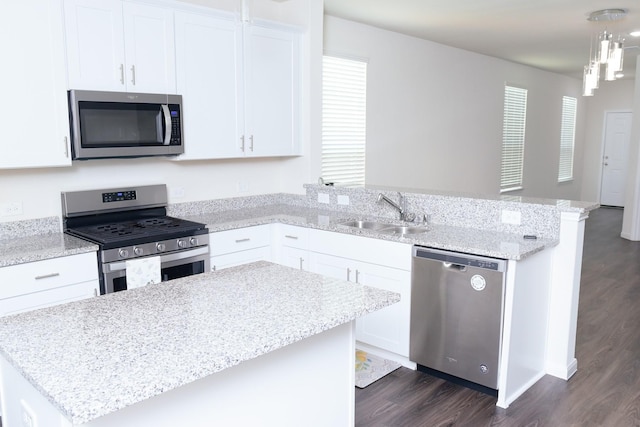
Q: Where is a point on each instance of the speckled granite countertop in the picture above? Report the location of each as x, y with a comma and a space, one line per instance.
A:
43, 246
119, 349
460, 239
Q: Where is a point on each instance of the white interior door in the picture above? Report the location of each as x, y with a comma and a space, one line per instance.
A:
614, 161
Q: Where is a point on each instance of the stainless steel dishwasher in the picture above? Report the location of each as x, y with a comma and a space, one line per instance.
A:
456, 315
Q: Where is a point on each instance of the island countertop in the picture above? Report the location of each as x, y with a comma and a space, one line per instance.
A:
93, 357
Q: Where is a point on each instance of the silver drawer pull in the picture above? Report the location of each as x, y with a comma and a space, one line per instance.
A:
47, 276
291, 237
243, 240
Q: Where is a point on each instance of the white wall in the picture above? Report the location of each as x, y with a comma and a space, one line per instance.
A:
611, 96
434, 114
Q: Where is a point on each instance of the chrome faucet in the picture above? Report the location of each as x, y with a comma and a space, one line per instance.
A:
401, 206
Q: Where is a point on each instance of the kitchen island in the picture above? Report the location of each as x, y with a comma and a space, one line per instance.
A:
259, 344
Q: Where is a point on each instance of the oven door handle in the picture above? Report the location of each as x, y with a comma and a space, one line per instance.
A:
167, 124
117, 266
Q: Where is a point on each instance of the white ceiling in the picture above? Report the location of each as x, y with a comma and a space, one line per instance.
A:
552, 35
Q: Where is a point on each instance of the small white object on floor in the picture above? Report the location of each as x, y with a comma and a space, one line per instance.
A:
370, 368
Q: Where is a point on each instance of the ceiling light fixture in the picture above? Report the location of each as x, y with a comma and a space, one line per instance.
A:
609, 51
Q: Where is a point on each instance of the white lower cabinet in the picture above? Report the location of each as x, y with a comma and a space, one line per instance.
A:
291, 246
388, 328
373, 262
240, 246
49, 282
378, 263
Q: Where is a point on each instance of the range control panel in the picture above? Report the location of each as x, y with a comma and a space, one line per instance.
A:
118, 196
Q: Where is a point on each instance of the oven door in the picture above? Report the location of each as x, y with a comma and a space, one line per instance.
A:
172, 266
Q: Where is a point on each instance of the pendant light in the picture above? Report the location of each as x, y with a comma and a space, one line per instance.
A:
608, 52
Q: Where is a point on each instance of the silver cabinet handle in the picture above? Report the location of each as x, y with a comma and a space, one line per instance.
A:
47, 276
301, 261
121, 74
66, 147
288, 236
251, 143
213, 268
243, 240
242, 143
95, 292
348, 274
133, 75
357, 276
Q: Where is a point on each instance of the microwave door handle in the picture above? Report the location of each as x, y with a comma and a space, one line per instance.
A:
167, 124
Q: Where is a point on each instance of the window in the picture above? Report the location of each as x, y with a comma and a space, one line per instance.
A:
567, 138
344, 102
515, 114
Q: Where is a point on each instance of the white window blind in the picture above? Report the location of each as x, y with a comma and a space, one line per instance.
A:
515, 114
344, 102
567, 138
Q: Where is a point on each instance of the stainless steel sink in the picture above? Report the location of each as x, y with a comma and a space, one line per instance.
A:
404, 229
368, 225
383, 227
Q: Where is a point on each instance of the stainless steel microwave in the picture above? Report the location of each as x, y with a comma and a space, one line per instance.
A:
117, 125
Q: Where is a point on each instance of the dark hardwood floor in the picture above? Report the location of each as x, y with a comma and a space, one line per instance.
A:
604, 392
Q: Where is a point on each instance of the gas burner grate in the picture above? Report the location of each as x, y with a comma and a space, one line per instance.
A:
137, 231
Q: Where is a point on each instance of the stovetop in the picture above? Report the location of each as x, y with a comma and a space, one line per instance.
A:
137, 231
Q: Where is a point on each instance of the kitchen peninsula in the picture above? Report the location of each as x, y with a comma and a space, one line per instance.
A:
252, 345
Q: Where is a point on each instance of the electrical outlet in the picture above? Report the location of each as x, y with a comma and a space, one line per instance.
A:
511, 217
11, 209
176, 193
323, 198
243, 187
343, 199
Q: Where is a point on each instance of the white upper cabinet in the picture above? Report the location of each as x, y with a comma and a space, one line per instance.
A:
272, 91
149, 48
35, 112
119, 46
240, 85
209, 67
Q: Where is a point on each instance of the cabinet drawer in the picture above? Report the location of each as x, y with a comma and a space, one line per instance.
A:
48, 298
293, 236
240, 239
374, 251
47, 274
220, 262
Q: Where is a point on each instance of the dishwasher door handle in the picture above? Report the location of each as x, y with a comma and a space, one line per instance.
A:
451, 266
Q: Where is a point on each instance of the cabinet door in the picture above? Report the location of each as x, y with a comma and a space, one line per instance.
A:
389, 327
332, 266
95, 44
34, 111
272, 80
149, 49
208, 51
295, 258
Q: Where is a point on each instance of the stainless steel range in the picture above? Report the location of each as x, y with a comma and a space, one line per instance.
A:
132, 223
